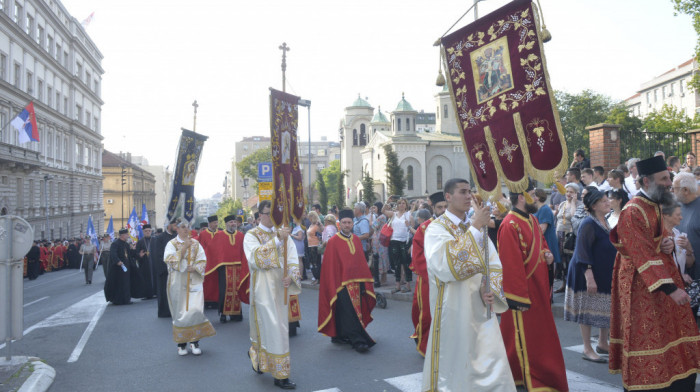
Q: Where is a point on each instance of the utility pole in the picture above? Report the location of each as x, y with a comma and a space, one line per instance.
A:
123, 183
284, 48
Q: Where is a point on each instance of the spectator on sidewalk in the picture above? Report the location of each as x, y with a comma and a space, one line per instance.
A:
587, 178
580, 161
631, 181
313, 241
674, 164
600, 179
683, 255
618, 199
545, 217
685, 188
690, 162
573, 175
567, 210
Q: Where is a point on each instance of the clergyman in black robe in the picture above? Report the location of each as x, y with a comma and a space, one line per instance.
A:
73, 254
118, 283
33, 263
160, 268
142, 254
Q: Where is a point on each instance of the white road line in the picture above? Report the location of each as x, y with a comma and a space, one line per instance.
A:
33, 302
26, 286
577, 382
408, 383
78, 313
86, 335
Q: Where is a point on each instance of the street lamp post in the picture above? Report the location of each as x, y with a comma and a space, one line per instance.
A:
307, 104
245, 192
123, 183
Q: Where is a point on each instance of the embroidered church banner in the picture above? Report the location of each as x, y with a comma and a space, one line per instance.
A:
505, 107
288, 196
189, 151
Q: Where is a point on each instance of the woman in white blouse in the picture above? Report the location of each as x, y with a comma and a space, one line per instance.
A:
400, 220
683, 253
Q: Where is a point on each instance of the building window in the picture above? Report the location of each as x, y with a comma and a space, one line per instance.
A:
65, 59
49, 45
40, 89
18, 12
439, 177
3, 66
444, 113
409, 177
88, 118
49, 96
663, 93
354, 137
437, 112
97, 87
680, 86
79, 71
18, 75
670, 87
29, 28
65, 106
58, 101
398, 122
30, 82
656, 95
59, 53
78, 113
363, 135
87, 78
39, 35
408, 124
648, 97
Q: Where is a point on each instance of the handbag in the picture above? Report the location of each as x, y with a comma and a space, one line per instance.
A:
385, 234
569, 241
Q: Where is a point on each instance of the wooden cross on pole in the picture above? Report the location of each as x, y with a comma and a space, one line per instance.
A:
194, 126
284, 48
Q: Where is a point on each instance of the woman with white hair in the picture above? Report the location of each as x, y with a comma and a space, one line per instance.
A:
186, 263
565, 215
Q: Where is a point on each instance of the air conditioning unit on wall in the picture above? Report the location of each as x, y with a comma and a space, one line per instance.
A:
110, 201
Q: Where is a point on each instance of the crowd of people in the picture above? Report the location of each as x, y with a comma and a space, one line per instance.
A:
623, 250
47, 256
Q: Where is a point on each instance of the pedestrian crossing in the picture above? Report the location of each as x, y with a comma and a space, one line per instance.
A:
577, 382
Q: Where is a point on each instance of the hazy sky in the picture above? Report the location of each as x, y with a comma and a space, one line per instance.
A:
159, 56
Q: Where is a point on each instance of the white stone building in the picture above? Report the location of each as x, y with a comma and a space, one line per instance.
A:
428, 158
669, 88
47, 57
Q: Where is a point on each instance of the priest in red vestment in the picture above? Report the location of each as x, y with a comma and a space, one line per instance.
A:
44, 257
211, 281
229, 264
420, 312
654, 341
528, 328
346, 294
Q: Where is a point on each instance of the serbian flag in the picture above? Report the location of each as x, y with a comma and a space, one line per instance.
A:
87, 20
288, 197
25, 123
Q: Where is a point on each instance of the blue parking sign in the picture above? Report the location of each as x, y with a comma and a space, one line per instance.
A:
265, 172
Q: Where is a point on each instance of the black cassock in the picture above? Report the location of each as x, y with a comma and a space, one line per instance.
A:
118, 282
141, 282
161, 271
33, 263
73, 256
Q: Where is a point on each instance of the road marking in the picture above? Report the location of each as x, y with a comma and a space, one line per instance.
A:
577, 382
33, 302
26, 286
408, 383
78, 313
86, 335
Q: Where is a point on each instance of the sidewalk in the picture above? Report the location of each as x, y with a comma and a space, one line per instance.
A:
25, 374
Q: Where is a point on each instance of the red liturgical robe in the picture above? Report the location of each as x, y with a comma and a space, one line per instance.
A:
226, 255
530, 336
420, 312
653, 341
211, 282
344, 266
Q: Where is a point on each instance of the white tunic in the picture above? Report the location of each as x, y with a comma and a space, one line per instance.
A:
269, 327
465, 350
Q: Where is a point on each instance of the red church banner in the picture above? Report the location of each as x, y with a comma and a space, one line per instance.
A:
288, 195
505, 107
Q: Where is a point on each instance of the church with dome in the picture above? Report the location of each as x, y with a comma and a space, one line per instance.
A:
428, 145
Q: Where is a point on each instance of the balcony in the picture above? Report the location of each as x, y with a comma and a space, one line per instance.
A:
18, 158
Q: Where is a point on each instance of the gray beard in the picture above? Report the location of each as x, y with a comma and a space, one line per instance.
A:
659, 194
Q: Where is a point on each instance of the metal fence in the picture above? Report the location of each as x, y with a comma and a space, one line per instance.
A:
642, 144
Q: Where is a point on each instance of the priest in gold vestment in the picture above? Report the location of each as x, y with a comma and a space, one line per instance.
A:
269, 327
465, 350
186, 262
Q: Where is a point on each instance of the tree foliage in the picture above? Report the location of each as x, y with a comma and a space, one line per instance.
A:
248, 166
368, 195
394, 173
691, 8
322, 192
331, 174
621, 116
578, 111
228, 207
340, 191
669, 119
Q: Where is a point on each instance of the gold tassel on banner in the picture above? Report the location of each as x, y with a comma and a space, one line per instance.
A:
560, 187
545, 35
440, 82
528, 198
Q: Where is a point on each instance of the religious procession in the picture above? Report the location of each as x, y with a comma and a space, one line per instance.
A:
541, 261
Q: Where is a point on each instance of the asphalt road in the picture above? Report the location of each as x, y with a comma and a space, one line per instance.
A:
98, 347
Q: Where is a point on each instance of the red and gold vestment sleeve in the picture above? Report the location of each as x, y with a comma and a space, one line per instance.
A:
512, 250
418, 263
633, 240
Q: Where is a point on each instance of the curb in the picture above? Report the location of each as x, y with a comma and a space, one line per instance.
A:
41, 378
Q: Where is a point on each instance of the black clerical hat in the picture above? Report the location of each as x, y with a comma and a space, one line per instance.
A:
650, 166
229, 218
123, 231
345, 213
146, 226
213, 218
437, 197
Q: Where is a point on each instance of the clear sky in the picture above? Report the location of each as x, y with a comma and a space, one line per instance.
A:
159, 56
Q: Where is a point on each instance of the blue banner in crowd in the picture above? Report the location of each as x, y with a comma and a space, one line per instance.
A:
110, 229
91, 233
189, 151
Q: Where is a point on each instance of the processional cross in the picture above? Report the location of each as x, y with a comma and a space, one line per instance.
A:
284, 48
